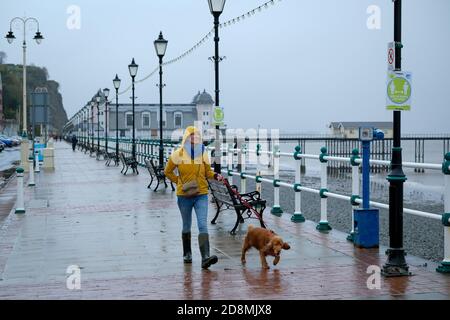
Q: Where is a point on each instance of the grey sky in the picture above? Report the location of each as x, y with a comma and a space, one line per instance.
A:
296, 66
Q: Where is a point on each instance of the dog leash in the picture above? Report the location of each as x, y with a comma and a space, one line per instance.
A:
243, 201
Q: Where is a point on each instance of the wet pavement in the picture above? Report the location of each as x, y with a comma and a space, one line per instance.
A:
126, 240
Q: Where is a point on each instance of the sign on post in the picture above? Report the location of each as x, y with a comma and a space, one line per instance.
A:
218, 116
399, 90
391, 56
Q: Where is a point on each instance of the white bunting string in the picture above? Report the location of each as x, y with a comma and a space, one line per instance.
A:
210, 34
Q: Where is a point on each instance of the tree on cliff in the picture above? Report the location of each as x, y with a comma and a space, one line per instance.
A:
36, 77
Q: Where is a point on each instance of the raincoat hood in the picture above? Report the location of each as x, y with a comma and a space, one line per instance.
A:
185, 153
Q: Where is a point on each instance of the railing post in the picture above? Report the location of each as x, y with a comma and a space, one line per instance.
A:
230, 163
258, 169
276, 209
445, 265
243, 168
20, 206
355, 190
31, 182
36, 159
298, 216
323, 224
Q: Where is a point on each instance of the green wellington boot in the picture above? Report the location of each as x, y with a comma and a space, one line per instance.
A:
187, 253
203, 243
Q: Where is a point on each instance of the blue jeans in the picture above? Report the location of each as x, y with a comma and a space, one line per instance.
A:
200, 204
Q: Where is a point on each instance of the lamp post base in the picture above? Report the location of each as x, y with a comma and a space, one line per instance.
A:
396, 265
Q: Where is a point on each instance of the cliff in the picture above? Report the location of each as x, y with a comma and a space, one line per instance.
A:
36, 77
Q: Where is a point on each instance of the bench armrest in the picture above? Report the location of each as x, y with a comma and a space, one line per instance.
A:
255, 195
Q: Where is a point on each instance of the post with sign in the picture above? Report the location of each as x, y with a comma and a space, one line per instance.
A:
218, 118
40, 115
398, 97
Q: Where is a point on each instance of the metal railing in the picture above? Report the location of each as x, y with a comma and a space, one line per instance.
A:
324, 193
147, 148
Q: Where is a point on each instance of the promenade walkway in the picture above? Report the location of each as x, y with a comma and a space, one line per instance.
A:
126, 240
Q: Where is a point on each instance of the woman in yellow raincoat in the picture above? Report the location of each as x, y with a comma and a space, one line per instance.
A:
192, 164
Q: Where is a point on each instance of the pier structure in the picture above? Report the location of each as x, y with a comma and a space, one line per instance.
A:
147, 149
90, 232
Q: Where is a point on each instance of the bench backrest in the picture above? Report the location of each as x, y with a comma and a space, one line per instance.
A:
150, 167
122, 157
222, 193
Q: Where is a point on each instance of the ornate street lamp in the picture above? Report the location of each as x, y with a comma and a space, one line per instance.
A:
92, 124
160, 47
133, 68
10, 37
97, 100
396, 264
116, 82
106, 94
216, 8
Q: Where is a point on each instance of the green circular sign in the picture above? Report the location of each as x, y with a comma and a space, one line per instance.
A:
218, 114
399, 90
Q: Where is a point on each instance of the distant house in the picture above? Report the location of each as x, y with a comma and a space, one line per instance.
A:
350, 130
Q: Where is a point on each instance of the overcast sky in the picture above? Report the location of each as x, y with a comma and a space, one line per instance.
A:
296, 66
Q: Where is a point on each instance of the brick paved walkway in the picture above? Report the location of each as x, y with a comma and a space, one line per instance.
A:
126, 240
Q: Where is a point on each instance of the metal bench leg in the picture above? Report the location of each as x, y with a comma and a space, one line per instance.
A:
213, 221
261, 220
151, 181
238, 220
157, 185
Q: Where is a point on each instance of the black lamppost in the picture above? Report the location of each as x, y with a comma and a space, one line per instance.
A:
116, 82
160, 47
97, 99
86, 137
92, 123
396, 263
133, 68
10, 37
106, 94
216, 8
86, 119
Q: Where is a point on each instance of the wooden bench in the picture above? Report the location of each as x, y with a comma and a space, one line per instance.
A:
109, 156
156, 173
128, 163
99, 153
92, 151
225, 198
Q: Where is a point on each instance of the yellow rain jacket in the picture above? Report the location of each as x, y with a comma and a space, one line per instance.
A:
189, 169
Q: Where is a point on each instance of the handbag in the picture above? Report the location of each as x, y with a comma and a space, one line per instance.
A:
191, 188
